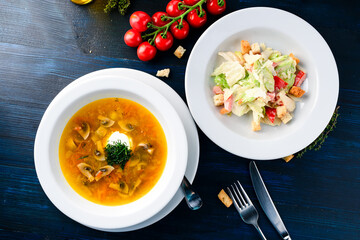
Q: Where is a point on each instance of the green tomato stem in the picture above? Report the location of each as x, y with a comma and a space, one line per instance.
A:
173, 19
201, 12
221, 3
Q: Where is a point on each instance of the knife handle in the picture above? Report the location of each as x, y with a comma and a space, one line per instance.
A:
260, 232
287, 237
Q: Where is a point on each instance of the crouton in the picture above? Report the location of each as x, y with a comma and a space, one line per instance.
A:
255, 126
224, 111
255, 48
224, 198
179, 52
262, 46
240, 58
245, 47
296, 91
288, 158
285, 119
281, 111
295, 58
219, 100
163, 73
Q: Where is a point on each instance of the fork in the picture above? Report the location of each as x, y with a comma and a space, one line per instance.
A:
245, 207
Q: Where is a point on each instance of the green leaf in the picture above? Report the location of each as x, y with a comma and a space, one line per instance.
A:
221, 81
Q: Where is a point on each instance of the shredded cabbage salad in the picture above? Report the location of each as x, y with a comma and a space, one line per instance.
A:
260, 80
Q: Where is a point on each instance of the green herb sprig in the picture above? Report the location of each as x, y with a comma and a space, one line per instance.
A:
121, 5
117, 153
317, 144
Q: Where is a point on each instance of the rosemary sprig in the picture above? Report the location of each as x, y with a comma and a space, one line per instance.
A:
317, 144
121, 5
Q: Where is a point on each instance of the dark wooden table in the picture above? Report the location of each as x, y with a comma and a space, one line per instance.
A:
45, 45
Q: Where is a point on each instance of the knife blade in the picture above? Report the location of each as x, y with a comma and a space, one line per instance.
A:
266, 202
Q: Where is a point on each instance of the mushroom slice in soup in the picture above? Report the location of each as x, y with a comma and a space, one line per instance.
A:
71, 144
146, 146
83, 130
103, 171
106, 122
99, 153
127, 126
122, 187
134, 160
86, 170
136, 184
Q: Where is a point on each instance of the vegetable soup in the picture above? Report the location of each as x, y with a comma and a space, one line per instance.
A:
112, 151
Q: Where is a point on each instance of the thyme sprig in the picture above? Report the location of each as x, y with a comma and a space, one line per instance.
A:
317, 144
121, 5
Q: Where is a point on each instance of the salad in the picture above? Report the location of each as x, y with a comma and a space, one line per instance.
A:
260, 80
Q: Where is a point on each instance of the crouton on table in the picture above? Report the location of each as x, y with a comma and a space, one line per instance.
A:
163, 73
179, 52
288, 158
224, 198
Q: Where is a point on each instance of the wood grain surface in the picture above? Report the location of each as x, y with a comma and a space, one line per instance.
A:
45, 45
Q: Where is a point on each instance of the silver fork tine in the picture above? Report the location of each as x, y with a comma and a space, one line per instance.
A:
242, 205
244, 193
241, 195
234, 200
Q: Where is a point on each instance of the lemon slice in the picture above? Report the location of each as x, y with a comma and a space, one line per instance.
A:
81, 2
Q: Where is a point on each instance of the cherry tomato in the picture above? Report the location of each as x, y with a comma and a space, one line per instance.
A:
156, 19
191, 2
132, 38
173, 8
195, 20
164, 44
139, 21
216, 7
180, 32
146, 51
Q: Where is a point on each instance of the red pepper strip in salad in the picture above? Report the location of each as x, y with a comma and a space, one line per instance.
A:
217, 90
271, 113
299, 79
279, 83
228, 103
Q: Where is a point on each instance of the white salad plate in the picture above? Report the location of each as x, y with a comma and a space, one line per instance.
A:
137, 214
279, 30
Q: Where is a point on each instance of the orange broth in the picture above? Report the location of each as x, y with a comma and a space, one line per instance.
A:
140, 173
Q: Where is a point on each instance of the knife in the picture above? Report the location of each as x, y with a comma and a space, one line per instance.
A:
266, 202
